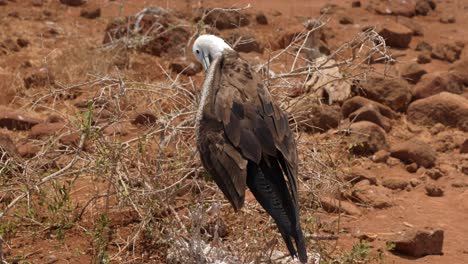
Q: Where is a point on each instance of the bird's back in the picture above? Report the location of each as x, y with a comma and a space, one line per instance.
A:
244, 139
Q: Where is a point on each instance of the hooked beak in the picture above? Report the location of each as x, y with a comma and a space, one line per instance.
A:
206, 62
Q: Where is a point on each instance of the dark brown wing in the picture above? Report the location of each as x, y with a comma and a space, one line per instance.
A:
253, 123
240, 112
245, 140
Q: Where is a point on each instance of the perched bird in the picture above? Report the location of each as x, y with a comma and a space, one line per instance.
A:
244, 139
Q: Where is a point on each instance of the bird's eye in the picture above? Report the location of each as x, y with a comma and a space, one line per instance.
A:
197, 51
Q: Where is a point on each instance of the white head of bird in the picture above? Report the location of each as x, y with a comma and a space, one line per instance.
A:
207, 48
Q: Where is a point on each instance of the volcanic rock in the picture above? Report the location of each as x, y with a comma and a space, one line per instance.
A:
223, 19
396, 35
332, 205
424, 58
414, 26
447, 51
371, 113
414, 151
419, 243
434, 190
445, 108
366, 138
375, 196
422, 7
391, 92
91, 13
413, 73
314, 117
437, 82
459, 69
244, 41
423, 46
395, 183
46, 129
13, 120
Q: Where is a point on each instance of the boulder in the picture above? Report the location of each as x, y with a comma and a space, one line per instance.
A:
434, 173
395, 183
224, 19
366, 138
381, 156
357, 175
346, 20
419, 243
423, 46
392, 92
332, 205
459, 69
445, 108
46, 129
396, 35
414, 26
91, 13
355, 103
167, 38
244, 41
412, 168
422, 7
329, 83
414, 151
394, 8
370, 195
447, 51
314, 117
316, 43
437, 82
424, 58
413, 72
14, 120
434, 190
371, 113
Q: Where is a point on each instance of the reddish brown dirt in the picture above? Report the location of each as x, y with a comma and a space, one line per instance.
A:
412, 208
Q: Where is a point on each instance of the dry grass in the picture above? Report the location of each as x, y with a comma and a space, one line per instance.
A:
146, 197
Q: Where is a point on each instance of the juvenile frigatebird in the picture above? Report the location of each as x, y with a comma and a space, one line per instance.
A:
244, 139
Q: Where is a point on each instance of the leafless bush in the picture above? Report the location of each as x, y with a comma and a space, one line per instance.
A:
153, 182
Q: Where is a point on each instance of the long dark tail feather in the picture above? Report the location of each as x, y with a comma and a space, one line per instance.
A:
267, 183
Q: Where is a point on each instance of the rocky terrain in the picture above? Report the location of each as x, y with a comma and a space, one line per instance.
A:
97, 153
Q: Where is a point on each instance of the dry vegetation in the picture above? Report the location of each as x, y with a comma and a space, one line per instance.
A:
117, 197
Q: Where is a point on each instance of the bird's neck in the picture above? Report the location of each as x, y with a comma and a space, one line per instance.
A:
207, 93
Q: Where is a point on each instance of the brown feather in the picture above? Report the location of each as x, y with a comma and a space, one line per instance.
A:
244, 138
